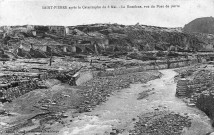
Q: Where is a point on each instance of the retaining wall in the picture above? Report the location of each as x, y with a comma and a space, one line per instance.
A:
200, 83
182, 88
141, 68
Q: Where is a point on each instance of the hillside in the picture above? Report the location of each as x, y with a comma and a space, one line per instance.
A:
200, 25
109, 38
142, 37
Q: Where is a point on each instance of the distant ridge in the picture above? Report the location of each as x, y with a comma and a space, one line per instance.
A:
200, 25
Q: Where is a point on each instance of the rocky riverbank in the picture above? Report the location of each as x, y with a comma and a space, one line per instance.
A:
97, 90
47, 106
150, 109
161, 123
200, 87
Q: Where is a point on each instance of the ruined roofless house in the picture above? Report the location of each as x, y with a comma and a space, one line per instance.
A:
87, 43
59, 30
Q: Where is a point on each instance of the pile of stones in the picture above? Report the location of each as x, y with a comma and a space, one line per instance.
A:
160, 123
15, 86
97, 90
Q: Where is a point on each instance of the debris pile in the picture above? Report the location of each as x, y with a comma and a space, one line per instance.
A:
200, 86
97, 90
63, 76
194, 80
15, 86
53, 57
54, 101
160, 123
95, 39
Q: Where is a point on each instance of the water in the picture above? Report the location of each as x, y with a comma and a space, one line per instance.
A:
120, 109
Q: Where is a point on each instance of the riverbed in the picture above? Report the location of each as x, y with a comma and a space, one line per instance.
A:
120, 111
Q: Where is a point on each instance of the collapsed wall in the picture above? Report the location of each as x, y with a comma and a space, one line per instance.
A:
112, 38
199, 90
202, 81
13, 86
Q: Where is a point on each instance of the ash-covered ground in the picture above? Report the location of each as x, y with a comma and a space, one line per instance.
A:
105, 79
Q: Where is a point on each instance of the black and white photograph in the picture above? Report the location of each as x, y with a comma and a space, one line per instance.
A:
106, 67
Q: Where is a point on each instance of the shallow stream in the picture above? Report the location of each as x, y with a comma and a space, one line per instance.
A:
121, 110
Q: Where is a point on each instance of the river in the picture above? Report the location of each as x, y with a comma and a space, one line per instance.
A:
120, 109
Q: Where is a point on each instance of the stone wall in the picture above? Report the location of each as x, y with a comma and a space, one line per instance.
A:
203, 95
182, 88
141, 68
17, 88
199, 90
202, 81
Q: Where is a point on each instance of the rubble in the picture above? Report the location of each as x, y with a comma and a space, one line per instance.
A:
44, 41
60, 97
160, 123
17, 81
200, 88
98, 89
40, 66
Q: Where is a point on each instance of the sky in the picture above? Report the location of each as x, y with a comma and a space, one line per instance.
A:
22, 12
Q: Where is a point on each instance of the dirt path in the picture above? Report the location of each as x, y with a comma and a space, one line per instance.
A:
121, 109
